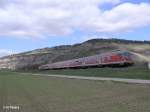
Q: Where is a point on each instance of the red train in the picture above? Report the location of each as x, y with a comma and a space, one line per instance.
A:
116, 58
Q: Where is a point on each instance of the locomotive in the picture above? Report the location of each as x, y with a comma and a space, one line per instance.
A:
114, 58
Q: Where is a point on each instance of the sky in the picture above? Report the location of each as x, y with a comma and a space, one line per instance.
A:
31, 24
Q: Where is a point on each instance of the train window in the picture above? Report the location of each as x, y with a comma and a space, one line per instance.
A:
105, 59
125, 54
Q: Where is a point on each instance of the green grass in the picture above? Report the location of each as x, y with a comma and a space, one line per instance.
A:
47, 94
133, 73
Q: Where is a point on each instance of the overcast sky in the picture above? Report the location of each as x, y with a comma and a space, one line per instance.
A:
31, 24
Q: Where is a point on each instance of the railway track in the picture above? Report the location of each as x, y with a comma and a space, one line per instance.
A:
138, 81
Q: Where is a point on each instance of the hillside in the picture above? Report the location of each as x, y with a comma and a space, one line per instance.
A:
32, 59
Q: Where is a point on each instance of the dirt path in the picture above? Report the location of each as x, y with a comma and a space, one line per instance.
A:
138, 81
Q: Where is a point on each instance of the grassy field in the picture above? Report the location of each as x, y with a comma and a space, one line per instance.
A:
47, 94
133, 73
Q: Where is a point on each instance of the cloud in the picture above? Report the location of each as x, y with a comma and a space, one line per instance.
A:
125, 17
42, 18
5, 52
